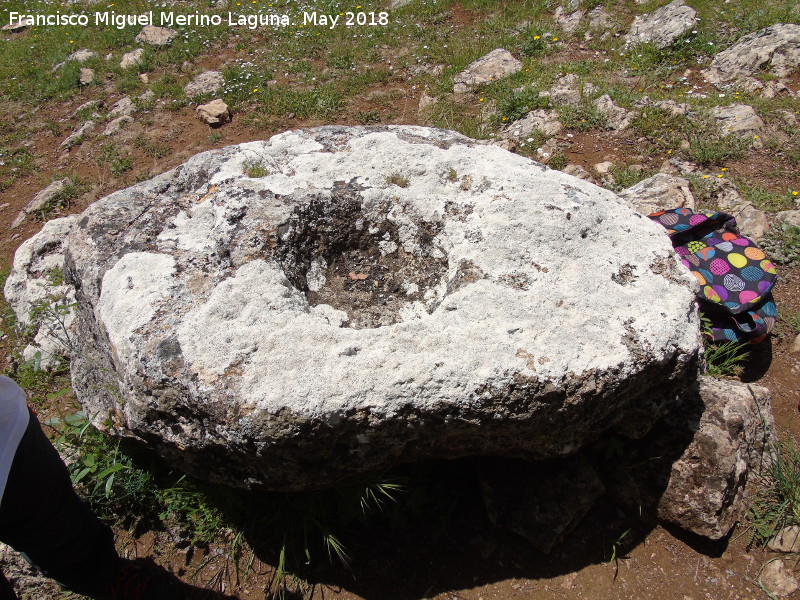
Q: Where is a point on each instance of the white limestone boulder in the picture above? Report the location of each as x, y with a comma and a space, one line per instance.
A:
372, 296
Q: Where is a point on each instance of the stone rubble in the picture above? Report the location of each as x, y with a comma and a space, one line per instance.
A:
498, 64
208, 82
662, 27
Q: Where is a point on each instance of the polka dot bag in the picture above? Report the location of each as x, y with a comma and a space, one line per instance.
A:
735, 275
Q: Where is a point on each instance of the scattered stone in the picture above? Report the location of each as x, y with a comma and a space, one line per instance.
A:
131, 59
663, 26
778, 579
144, 79
602, 168
787, 540
90, 105
400, 3
542, 120
738, 119
209, 253
15, 26
76, 137
122, 107
617, 117
566, 90
540, 501
776, 49
659, 192
676, 109
86, 76
789, 216
568, 22
215, 113
599, 18
156, 36
579, 172
795, 347
751, 221
426, 102
208, 82
499, 63
772, 89
82, 55
116, 125
39, 201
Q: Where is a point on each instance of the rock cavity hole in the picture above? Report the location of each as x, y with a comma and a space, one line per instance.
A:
335, 254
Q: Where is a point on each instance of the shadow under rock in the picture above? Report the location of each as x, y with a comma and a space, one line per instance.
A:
758, 361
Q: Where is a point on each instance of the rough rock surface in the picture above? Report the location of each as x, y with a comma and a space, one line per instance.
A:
787, 540
707, 482
775, 48
617, 117
75, 138
568, 21
34, 281
86, 76
499, 63
566, 90
132, 59
39, 201
15, 26
116, 125
376, 297
778, 579
215, 113
663, 26
659, 192
542, 120
82, 55
738, 119
122, 107
751, 221
692, 468
156, 36
208, 82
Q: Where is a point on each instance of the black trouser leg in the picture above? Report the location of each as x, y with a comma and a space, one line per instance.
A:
41, 516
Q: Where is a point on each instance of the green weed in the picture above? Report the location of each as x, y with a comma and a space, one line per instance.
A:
782, 244
398, 179
582, 117
776, 501
518, 103
255, 168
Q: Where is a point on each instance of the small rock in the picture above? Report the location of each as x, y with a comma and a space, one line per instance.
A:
663, 26
147, 96
134, 58
738, 119
15, 26
156, 36
144, 78
117, 124
795, 348
778, 579
788, 538
499, 63
82, 55
542, 120
122, 107
603, 167
790, 216
425, 102
208, 82
39, 201
775, 48
568, 22
599, 18
566, 90
399, 3
90, 105
659, 192
617, 117
76, 137
579, 172
86, 76
215, 113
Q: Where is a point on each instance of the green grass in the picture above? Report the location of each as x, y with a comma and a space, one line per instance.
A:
776, 501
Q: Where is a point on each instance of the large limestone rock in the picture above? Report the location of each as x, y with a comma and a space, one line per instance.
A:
775, 48
663, 26
498, 64
374, 296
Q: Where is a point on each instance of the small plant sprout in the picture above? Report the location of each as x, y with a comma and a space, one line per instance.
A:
398, 179
255, 168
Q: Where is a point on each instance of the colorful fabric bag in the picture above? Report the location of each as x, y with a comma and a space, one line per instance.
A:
735, 275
